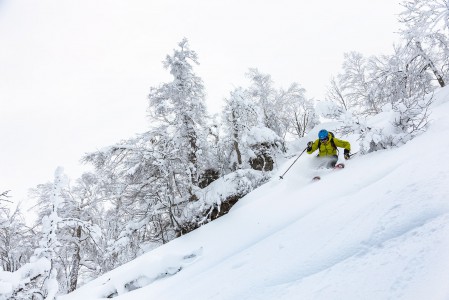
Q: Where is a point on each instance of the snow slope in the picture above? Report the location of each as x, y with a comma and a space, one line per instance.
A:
378, 229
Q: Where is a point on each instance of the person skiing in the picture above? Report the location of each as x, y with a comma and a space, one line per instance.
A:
327, 145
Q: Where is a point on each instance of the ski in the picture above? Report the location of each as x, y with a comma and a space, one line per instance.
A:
337, 167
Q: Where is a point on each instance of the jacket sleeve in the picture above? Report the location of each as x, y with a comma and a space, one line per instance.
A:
314, 147
342, 144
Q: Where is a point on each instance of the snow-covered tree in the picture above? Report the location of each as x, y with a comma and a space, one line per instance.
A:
150, 179
262, 92
3, 199
352, 89
247, 137
426, 32
295, 112
136, 179
400, 83
179, 108
4, 210
49, 244
239, 116
259, 119
16, 240
78, 232
38, 279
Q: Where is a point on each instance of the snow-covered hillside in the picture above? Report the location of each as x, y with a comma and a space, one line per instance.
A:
378, 229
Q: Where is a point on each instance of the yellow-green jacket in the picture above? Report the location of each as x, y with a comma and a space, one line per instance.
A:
327, 149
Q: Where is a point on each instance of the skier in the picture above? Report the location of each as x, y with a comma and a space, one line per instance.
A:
327, 145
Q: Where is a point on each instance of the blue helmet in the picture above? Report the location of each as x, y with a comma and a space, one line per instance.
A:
323, 134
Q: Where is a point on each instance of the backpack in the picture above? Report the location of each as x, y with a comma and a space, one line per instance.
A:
331, 140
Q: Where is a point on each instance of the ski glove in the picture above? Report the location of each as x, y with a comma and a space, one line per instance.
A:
346, 154
309, 146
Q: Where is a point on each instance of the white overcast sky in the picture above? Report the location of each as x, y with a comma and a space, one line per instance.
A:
75, 74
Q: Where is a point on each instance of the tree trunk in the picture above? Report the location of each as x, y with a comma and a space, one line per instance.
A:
76, 260
193, 159
432, 66
236, 144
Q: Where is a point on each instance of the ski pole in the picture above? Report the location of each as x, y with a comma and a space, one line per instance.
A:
282, 176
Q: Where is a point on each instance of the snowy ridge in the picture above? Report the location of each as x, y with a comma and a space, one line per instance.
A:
378, 229
132, 276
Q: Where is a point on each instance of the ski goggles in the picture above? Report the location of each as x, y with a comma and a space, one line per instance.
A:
324, 140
